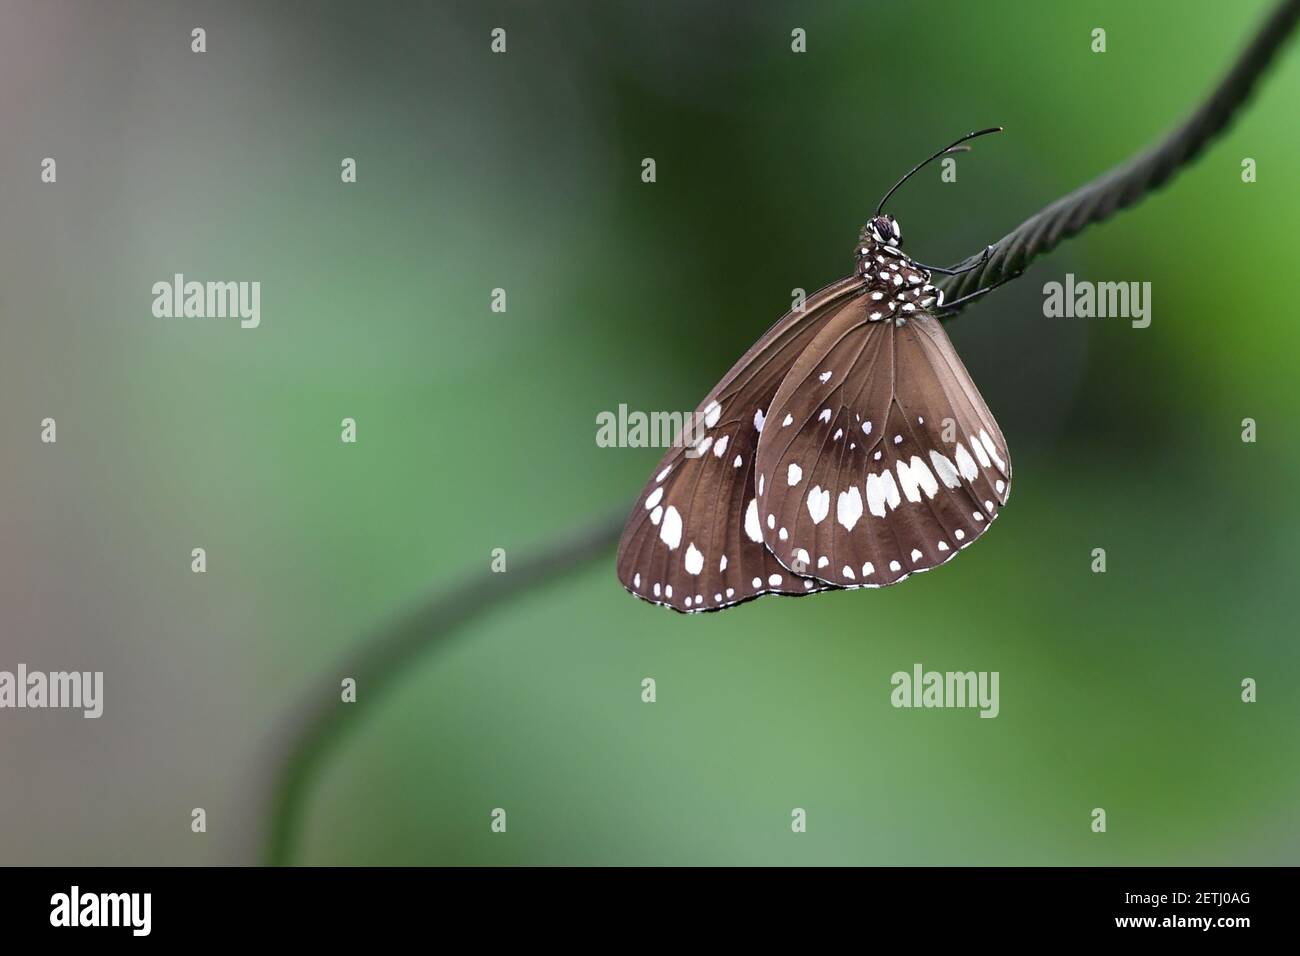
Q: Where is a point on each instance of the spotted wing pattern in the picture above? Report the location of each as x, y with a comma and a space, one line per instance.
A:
880, 458
693, 541
848, 448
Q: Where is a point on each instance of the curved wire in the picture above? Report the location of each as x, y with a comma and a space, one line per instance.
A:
307, 733
1129, 182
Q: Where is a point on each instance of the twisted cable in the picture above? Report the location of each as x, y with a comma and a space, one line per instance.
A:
306, 734
1130, 182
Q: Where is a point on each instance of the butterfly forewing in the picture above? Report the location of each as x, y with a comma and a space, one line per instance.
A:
693, 541
880, 459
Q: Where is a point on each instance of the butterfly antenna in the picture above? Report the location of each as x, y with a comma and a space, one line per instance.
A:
951, 147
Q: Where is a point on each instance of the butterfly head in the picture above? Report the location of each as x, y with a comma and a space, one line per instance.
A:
884, 231
881, 235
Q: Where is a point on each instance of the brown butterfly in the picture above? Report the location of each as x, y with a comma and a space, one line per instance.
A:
847, 448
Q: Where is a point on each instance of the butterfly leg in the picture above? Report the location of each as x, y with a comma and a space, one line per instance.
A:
988, 251
943, 308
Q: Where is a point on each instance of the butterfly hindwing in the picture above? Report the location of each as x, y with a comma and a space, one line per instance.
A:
881, 458
693, 542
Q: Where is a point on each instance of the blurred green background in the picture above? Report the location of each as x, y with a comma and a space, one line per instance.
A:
477, 430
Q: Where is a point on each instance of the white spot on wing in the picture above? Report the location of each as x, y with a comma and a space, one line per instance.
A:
694, 559
819, 503
848, 508
752, 529
793, 474
991, 449
881, 490
671, 532
966, 463
915, 477
720, 446
712, 414
945, 469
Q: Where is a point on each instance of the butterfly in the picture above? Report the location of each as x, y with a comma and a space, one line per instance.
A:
848, 448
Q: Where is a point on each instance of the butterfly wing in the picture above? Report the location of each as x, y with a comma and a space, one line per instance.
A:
693, 542
880, 458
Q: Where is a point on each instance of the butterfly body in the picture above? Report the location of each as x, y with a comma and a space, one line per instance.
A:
896, 286
847, 448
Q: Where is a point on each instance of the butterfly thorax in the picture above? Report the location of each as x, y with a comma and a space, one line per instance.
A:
895, 286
